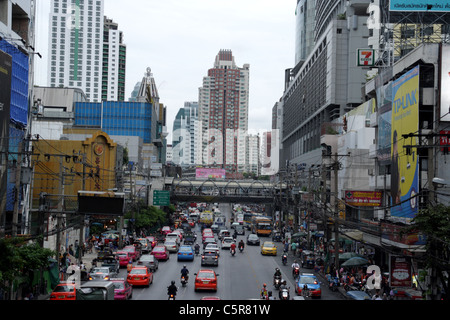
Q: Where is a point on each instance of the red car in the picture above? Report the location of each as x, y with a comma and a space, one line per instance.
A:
124, 258
206, 279
64, 291
152, 240
140, 276
122, 289
133, 251
165, 230
160, 252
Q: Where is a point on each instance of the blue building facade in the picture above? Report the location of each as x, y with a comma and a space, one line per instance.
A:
117, 118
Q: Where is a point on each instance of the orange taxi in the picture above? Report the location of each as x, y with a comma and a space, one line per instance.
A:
64, 291
206, 279
140, 276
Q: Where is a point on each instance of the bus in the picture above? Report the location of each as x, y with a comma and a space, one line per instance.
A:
248, 220
206, 218
262, 226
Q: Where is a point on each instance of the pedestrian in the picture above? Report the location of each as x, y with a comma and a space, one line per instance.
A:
294, 248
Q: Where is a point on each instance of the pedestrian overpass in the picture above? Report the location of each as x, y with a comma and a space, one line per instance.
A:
223, 191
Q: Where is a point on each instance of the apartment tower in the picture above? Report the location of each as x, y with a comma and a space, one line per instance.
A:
76, 46
223, 113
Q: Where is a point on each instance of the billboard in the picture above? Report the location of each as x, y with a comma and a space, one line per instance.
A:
419, 5
445, 83
209, 173
384, 107
363, 198
404, 166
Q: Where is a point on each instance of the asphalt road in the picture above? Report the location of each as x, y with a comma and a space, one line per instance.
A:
240, 277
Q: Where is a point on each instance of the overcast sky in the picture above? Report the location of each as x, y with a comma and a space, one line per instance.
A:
179, 40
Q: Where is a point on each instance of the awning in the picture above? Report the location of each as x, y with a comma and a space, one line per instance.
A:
354, 235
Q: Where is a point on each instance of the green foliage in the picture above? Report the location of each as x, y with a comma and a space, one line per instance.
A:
146, 216
18, 258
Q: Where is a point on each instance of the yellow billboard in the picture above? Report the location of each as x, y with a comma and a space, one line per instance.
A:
404, 161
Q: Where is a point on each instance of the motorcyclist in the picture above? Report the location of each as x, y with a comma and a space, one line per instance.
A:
284, 259
233, 247
305, 291
185, 272
172, 289
277, 274
241, 244
282, 287
197, 248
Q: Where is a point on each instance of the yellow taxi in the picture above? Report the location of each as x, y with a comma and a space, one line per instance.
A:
269, 248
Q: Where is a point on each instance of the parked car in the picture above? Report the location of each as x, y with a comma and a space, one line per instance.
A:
149, 261
185, 253
122, 289
253, 239
140, 276
205, 279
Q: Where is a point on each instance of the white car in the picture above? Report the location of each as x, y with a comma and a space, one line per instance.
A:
171, 245
226, 242
213, 247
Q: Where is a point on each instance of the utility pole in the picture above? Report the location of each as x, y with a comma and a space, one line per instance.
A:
336, 212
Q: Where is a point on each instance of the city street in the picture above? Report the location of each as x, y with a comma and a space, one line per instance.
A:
240, 277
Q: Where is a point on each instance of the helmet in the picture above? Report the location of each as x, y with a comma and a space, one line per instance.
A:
184, 266
264, 285
172, 282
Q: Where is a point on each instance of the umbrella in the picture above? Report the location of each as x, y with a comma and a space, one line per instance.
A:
299, 234
349, 255
355, 261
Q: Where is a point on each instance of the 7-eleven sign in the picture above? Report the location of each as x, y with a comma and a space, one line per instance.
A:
366, 57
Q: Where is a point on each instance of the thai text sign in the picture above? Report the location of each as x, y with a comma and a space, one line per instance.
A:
363, 198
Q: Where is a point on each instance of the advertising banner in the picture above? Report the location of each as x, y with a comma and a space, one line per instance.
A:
384, 108
401, 272
419, 5
209, 173
445, 83
363, 198
404, 167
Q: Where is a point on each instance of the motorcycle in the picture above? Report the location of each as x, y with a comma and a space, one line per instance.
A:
296, 272
241, 249
277, 282
284, 259
197, 250
284, 294
233, 251
183, 281
171, 296
333, 284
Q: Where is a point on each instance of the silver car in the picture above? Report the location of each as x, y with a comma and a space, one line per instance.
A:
149, 261
171, 245
210, 258
101, 273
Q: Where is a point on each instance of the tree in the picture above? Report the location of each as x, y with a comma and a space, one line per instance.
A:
19, 258
434, 223
146, 217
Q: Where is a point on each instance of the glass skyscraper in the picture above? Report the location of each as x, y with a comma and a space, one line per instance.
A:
117, 118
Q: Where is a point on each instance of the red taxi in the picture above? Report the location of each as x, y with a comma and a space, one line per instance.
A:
140, 276
152, 240
207, 235
160, 253
124, 258
64, 291
133, 251
165, 230
206, 279
122, 289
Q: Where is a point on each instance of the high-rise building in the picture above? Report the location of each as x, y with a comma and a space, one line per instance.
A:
185, 135
114, 62
223, 113
76, 46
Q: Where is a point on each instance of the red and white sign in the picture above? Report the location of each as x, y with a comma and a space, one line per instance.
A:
363, 198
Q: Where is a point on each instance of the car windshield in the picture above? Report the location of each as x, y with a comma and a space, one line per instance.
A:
63, 289
206, 275
128, 249
253, 237
138, 271
269, 244
170, 243
307, 280
159, 249
146, 258
186, 249
118, 285
100, 270
122, 256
